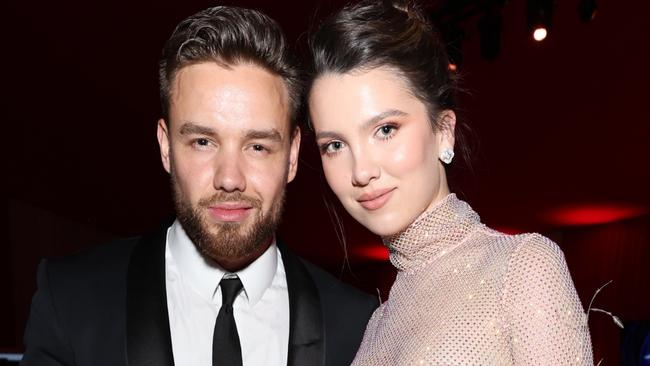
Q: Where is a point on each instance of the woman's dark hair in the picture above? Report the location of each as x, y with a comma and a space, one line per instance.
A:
395, 34
229, 36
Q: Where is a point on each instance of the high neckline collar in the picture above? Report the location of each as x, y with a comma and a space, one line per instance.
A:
433, 233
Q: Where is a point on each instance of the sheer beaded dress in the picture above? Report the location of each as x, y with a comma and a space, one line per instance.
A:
468, 295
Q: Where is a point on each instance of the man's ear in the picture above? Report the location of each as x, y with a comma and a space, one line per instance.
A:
293, 154
163, 142
446, 130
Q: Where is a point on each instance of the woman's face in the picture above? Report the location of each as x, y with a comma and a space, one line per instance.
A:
379, 151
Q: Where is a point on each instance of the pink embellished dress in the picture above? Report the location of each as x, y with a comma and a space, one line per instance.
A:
469, 295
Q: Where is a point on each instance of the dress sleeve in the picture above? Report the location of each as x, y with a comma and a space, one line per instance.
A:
548, 325
45, 341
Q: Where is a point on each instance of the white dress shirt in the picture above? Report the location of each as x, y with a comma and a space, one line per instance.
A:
261, 310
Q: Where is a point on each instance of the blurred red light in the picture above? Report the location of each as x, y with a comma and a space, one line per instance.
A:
592, 214
373, 252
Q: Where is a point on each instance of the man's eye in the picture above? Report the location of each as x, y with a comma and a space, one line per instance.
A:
262, 150
201, 143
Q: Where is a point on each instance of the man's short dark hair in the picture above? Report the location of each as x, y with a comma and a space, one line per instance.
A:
229, 36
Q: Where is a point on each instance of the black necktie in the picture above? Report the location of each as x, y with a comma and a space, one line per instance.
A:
226, 350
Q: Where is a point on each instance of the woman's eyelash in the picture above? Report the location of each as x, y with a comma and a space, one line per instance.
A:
387, 131
325, 148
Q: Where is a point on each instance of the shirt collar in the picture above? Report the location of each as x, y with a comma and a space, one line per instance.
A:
203, 274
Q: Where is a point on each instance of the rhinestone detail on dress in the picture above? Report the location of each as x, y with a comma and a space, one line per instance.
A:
468, 295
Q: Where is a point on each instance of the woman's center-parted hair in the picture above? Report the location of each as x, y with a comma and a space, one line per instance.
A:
396, 35
229, 36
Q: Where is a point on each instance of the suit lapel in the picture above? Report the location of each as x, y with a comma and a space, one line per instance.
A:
306, 330
148, 339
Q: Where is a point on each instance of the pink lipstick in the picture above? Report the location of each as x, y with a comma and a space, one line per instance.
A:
376, 199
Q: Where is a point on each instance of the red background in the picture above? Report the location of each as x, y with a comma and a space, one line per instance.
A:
562, 128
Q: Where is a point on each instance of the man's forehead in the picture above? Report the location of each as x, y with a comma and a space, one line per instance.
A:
247, 77
244, 94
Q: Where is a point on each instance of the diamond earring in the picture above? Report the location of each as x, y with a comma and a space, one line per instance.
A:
447, 155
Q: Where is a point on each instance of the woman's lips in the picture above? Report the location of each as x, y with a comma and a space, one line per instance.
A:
230, 211
376, 199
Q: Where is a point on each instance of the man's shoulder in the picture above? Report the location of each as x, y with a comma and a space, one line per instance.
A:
104, 257
345, 310
108, 257
78, 295
89, 274
333, 289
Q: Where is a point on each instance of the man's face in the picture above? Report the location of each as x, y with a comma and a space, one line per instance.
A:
230, 154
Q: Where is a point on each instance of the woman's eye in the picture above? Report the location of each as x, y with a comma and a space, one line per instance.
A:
333, 147
386, 131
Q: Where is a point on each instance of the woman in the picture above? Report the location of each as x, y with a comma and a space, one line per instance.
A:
382, 108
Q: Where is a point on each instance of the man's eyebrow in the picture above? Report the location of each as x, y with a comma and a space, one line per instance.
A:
269, 134
367, 124
191, 128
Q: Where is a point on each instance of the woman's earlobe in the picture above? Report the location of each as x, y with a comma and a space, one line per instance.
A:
446, 156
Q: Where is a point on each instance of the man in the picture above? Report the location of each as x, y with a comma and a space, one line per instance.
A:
214, 288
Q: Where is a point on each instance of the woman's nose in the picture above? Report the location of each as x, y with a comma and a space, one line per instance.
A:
365, 170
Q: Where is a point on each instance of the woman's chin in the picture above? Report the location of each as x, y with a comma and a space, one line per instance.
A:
384, 228
384, 222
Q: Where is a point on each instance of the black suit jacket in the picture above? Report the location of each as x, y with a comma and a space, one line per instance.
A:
108, 306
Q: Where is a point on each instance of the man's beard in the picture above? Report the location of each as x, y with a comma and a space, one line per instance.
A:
232, 240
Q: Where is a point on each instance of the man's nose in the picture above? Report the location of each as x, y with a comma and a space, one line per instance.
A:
230, 175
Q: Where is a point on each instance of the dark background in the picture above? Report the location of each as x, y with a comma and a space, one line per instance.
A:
562, 131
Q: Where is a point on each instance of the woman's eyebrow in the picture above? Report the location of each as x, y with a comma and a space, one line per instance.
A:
328, 134
367, 124
385, 114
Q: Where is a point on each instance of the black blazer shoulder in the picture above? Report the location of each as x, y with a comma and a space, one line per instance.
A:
346, 312
107, 306
76, 296
332, 289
